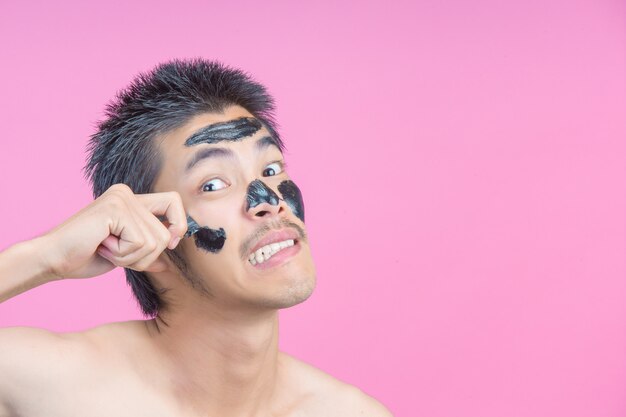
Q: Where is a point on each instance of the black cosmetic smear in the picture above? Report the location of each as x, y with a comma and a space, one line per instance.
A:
259, 193
211, 240
231, 130
293, 197
192, 226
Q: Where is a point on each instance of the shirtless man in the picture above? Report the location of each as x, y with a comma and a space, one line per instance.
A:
193, 200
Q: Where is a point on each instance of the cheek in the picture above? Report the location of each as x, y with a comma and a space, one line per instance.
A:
206, 238
210, 240
293, 197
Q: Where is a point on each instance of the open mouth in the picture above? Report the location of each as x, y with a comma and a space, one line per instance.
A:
265, 253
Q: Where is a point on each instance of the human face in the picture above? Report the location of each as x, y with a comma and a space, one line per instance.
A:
232, 180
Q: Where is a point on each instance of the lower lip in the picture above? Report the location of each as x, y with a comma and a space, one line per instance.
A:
279, 258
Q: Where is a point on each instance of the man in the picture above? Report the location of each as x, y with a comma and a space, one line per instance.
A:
193, 200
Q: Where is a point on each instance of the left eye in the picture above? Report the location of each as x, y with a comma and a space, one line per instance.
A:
213, 185
274, 168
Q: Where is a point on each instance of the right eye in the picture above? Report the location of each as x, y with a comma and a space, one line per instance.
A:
214, 185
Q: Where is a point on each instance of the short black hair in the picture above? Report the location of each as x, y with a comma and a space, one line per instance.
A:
122, 150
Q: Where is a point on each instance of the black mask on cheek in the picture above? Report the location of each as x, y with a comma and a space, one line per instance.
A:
259, 193
211, 240
293, 197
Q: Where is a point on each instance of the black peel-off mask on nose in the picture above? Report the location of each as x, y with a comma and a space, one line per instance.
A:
293, 197
211, 240
258, 193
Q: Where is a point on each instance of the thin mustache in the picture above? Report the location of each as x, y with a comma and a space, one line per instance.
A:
265, 229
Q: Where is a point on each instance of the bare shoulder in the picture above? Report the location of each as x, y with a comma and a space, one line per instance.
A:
327, 395
35, 360
115, 336
26, 347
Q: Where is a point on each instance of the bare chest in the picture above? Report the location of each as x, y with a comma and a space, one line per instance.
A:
103, 396
98, 396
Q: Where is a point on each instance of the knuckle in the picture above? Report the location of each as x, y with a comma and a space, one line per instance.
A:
135, 245
174, 195
129, 249
121, 253
164, 236
150, 245
120, 261
128, 260
141, 264
115, 201
177, 200
162, 246
120, 188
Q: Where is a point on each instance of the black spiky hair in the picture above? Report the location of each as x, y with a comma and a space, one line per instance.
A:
122, 150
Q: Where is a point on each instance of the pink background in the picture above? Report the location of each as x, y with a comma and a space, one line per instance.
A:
463, 166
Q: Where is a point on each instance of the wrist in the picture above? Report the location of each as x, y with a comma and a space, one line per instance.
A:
38, 252
22, 267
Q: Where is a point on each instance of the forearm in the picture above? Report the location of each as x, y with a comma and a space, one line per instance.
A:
22, 268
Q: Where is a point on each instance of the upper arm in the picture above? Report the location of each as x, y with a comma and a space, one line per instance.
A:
33, 362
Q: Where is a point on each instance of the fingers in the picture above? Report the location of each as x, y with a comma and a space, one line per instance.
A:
137, 236
169, 205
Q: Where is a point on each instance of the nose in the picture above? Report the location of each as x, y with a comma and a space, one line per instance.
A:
261, 200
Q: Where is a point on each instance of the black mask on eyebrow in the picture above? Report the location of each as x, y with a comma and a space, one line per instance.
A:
211, 240
259, 193
293, 197
232, 130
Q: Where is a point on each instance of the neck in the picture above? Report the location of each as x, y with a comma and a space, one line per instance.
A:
220, 361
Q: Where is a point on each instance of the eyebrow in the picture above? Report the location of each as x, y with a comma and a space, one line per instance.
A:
225, 153
231, 130
208, 153
265, 142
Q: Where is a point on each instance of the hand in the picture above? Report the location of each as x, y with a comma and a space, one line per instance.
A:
119, 228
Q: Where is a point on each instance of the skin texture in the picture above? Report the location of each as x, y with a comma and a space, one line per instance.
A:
213, 350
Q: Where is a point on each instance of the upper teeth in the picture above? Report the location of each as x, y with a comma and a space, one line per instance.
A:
264, 253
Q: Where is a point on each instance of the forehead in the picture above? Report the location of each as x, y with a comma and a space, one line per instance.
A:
235, 125
221, 121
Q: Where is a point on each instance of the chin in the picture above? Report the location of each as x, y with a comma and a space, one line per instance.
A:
291, 295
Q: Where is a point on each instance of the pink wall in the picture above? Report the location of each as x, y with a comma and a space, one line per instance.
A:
463, 166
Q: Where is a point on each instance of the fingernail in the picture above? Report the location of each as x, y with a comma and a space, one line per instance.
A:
174, 242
